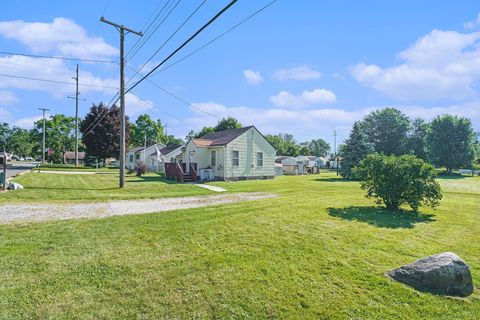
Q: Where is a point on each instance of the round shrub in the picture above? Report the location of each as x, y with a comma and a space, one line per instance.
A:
395, 181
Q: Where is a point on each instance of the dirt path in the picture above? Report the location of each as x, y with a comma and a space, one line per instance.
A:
43, 212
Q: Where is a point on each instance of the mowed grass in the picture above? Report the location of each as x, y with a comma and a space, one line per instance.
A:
52, 187
318, 251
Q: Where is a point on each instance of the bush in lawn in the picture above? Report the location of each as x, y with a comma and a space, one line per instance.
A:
394, 181
140, 169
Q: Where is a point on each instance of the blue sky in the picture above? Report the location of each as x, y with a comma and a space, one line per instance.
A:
300, 67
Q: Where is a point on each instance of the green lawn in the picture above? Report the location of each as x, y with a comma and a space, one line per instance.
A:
42, 187
318, 251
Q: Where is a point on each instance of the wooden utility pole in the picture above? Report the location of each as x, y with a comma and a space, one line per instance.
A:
122, 30
43, 138
335, 149
4, 167
77, 93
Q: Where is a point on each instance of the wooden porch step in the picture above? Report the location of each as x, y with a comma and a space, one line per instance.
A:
187, 178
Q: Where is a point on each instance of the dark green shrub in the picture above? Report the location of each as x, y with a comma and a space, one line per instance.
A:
395, 181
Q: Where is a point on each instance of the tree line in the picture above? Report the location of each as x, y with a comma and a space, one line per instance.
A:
447, 141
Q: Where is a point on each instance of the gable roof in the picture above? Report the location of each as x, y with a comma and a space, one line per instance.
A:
166, 150
220, 138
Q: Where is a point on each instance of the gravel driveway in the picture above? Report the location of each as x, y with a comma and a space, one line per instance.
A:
43, 212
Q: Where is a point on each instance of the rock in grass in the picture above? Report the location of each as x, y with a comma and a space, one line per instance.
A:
443, 273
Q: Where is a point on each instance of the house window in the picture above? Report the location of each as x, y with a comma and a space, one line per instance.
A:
137, 156
213, 158
235, 158
259, 159
131, 158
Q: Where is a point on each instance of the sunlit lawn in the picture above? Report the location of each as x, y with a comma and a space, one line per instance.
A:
318, 251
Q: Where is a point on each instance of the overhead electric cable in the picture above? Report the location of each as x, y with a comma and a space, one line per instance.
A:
218, 37
56, 57
168, 39
228, 6
56, 81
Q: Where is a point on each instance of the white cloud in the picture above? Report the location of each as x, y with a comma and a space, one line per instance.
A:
7, 97
61, 35
472, 24
135, 106
312, 123
297, 73
27, 122
304, 124
317, 96
49, 69
4, 115
253, 77
440, 65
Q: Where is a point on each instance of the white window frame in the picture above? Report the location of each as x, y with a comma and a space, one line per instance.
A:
213, 158
235, 158
260, 159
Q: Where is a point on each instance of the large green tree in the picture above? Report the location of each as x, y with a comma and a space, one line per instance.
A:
354, 150
387, 130
21, 142
416, 138
450, 142
146, 130
227, 123
5, 133
101, 132
317, 147
59, 136
285, 144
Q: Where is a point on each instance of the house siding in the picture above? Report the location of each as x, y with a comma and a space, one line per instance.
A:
248, 144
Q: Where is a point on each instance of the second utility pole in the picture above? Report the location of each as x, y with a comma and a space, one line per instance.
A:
76, 116
43, 138
122, 30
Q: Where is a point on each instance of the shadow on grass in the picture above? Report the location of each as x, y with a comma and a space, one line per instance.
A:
339, 179
151, 179
381, 217
451, 177
66, 188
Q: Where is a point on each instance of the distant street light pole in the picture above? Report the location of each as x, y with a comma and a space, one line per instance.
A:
122, 30
43, 139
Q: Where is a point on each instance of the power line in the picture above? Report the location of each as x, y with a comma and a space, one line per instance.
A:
108, 108
169, 38
152, 33
218, 37
159, 109
149, 25
170, 56
228, 6
177, 97
56, 81
57, 57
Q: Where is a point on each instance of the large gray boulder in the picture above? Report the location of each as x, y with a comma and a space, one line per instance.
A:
443, 273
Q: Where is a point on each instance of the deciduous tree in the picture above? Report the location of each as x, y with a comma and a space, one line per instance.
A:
450, 142
103, 140
145, 128
395, 181
386, 130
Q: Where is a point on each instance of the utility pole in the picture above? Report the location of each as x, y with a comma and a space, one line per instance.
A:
335, 149
76, 116
122, 29
43, 140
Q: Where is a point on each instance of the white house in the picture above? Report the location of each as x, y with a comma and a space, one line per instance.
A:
170, 154
154, 156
